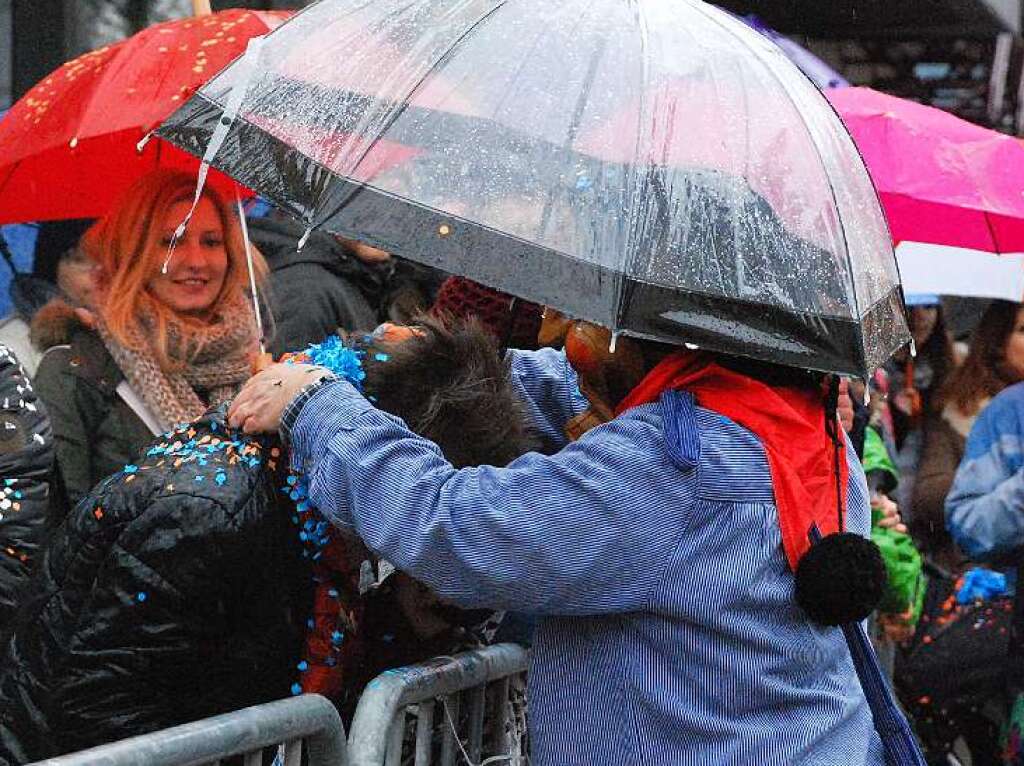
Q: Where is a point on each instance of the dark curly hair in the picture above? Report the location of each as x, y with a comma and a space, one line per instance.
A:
450, 385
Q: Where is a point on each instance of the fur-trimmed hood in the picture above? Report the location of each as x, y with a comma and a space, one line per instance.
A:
55, 324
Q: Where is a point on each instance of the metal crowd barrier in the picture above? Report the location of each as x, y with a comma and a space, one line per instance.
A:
308, 723
469, 710
466, 710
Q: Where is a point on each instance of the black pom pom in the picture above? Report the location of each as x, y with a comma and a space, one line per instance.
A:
840, 579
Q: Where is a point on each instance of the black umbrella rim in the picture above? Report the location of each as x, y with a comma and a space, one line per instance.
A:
802, 340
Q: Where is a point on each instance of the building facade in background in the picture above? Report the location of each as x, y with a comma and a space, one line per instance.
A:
965, 56
5, 54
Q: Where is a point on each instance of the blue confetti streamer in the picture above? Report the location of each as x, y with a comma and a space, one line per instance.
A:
343, 361
314, 531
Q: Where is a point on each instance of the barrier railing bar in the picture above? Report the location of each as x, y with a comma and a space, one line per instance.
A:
308, 716
477, 700
395, 737
424, 732
396, 689
293, 753
450, 705
503, 707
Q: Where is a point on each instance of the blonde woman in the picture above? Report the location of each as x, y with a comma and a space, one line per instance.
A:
164, 346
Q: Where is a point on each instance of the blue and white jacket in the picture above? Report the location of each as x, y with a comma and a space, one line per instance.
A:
669, 633
985, 505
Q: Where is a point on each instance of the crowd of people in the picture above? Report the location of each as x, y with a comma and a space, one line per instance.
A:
436, 463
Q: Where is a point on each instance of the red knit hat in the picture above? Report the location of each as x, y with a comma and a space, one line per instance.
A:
514, 322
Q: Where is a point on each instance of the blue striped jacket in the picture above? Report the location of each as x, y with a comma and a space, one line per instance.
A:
651, 549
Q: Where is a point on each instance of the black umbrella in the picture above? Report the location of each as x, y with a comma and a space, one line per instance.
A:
656, 166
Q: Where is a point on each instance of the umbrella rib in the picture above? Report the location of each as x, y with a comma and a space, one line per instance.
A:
412, 92
574, 124
639, 142
991, 231
10, 174
710, 15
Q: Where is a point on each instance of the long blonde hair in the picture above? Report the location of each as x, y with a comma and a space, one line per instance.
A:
125, 245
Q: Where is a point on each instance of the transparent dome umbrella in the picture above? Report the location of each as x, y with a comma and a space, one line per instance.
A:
654, 166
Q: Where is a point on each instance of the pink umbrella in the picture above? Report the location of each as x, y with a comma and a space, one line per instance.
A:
953, 193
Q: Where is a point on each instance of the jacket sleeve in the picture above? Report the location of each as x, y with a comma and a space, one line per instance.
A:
985, 507
565, 534
71, 438
548, 386
26, 462
940, 457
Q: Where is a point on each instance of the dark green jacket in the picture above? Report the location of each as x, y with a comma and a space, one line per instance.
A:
96, 432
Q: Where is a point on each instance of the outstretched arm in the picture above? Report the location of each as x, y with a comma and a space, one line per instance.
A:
562, 534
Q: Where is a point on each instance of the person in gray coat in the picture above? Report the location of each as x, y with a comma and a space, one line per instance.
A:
333, 284
314, 291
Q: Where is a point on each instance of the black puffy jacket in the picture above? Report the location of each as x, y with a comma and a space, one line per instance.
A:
175, 590
26, 462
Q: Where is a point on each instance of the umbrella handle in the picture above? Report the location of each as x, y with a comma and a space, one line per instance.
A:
201, 8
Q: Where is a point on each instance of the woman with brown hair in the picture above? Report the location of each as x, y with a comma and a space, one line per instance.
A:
910, 384
915, 380
174, 330
995, 360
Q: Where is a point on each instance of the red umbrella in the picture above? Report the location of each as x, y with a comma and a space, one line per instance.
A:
71, 144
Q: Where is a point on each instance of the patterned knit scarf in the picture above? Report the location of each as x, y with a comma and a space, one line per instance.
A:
216, 361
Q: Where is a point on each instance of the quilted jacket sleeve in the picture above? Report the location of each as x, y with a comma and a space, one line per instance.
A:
26, 460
